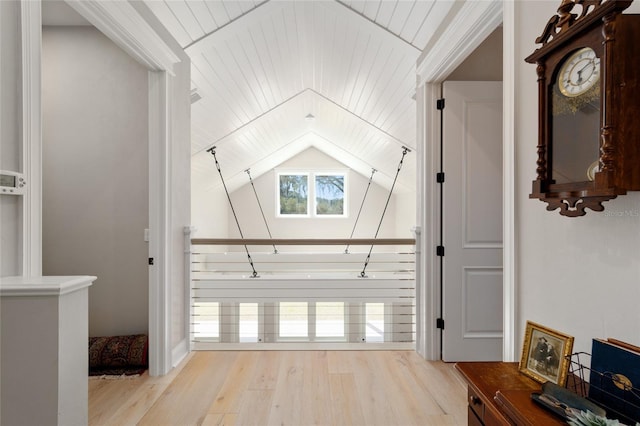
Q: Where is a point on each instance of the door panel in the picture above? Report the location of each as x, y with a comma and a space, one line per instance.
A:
472, 221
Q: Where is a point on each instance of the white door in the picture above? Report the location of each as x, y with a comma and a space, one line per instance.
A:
472, 221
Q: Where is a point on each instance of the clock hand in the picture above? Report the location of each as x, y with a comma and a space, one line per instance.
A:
589, 64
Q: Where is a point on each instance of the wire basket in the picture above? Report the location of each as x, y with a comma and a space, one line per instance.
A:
613, 392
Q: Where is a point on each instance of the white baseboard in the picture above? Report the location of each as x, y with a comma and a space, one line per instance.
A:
179, 352
306, 346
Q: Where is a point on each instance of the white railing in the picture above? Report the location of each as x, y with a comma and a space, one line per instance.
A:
302, 299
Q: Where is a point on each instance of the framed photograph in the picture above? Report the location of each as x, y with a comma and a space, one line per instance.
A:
546, 354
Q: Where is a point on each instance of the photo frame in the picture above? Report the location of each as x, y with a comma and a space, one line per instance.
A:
546, 354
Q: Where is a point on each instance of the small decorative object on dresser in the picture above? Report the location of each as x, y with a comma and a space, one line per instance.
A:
545, 354
614, 379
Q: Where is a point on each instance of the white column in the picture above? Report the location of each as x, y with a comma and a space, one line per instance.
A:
31, 25
509, 298
44, 340
427, 265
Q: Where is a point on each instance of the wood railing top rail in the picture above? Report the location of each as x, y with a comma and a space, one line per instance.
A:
304, 242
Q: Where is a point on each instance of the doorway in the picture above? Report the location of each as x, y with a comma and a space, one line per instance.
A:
471, 224
96, 173
471, 50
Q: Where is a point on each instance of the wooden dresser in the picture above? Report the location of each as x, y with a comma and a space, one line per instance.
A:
499, 395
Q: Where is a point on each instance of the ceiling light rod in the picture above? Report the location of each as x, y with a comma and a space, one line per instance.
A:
405, 150
248, 171
212, 150
346, 250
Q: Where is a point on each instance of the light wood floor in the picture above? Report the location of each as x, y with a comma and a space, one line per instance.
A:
287, 388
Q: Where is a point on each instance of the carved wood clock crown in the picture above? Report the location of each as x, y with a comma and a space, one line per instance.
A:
588, 69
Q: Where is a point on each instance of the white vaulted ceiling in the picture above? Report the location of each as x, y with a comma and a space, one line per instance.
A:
261, 67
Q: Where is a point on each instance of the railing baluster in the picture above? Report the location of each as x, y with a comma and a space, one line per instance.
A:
367, 314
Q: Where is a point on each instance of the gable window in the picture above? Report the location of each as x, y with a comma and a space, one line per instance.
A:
293, 198
296, 191
329, 191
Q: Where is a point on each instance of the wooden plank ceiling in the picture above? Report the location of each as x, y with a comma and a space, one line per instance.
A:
263, 68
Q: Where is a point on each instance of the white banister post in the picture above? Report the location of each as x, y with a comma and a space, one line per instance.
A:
419, 286
31, 36
44, 337
188, 232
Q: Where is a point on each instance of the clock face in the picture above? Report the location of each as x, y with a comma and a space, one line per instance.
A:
579, 72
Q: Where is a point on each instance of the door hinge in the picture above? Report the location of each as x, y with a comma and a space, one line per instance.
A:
440, 104
440, 177
440, 323
151, 261
440, 251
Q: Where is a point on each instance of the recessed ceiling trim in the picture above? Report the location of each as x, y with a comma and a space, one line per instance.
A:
354, 162
371, 27
252, 17
288, 100
390, 136
237, 129
258, 168
363, 16
239, 24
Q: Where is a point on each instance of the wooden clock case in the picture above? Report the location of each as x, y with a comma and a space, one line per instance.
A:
615, 37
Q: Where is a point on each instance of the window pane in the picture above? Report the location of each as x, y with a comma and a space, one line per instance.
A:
330, 319
330, 194
294, 190
206, 320
293, 319
248, 322
375, 322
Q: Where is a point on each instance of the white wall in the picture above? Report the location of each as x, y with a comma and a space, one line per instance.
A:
95, 174
577, 275
484, 63
10, 143
252, 224
210, 212
405, 208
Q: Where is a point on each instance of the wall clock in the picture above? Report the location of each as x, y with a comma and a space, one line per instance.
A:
588, 70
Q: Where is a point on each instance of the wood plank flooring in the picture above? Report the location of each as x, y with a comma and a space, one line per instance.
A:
287, 388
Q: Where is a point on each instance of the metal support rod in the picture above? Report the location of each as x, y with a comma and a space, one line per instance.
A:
248, 171
405, 150
346, 250
212, 150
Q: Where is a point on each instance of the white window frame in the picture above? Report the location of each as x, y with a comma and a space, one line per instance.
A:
309, 192
312, 203
345, 209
